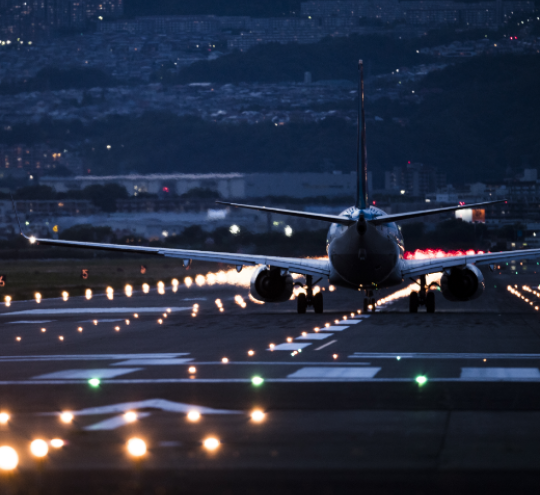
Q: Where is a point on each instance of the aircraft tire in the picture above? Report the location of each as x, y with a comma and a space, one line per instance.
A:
413, 302
430, 302
318, 302
301, 303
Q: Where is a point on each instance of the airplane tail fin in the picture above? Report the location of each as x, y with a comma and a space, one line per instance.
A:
361, 151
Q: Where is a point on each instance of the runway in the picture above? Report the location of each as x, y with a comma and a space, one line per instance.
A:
386, 399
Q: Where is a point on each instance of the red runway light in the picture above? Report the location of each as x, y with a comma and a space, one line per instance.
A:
420, 254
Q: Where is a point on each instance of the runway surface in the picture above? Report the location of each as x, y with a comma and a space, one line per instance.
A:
386, 399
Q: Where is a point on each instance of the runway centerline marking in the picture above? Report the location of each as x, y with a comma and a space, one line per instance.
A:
335, 328
326, 345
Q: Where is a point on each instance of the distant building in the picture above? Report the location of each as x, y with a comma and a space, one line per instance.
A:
414, 180
32, 19
228, 186
420, 12
38, 160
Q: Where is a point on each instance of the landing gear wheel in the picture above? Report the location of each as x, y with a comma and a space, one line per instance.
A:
430, 302
365, 304
413, 302
301, 303
318, 302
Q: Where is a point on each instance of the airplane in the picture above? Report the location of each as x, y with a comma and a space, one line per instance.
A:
365, 251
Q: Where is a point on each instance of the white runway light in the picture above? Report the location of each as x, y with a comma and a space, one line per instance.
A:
9, 459
110, 293
136, 447
39, 448
211, 443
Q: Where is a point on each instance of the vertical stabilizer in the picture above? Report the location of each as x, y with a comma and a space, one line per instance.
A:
361, 152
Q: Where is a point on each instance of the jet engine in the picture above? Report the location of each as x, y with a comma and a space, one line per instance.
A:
462, 284
269, 285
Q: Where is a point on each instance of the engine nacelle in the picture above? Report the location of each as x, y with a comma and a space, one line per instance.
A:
269, 285
462, 284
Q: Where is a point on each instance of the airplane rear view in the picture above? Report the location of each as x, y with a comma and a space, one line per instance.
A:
365, 251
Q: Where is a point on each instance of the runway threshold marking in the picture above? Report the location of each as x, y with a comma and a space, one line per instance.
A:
87, 373
440, 355
289, 347
154, 362
500, 373
326, 345
315, 336
334, 372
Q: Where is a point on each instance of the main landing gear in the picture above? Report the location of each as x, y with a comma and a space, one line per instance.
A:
369, 302
424, 297
309, 299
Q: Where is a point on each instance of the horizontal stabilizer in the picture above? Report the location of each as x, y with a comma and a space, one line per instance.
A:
413, 214
296, 213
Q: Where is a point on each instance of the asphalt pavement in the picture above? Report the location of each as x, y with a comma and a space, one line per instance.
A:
382, 401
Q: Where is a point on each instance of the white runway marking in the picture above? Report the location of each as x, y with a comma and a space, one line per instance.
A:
29, 321
86, 374
334, 328
326, 345
289, 347
150, 381
334, 372
89, 357
104, 320
161, 404
153, 362
499, 373
80, 311
113, 423
440, 355
348, 322
315, 336
362, 316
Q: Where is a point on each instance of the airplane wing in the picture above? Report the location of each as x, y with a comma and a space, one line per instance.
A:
415, 268
295, 213
421, 213
349, 221
304, 266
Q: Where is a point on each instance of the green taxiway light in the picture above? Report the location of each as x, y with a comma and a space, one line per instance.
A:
421, 380
257, 380
94, 382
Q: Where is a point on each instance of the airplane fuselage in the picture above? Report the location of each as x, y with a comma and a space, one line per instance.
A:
365, 259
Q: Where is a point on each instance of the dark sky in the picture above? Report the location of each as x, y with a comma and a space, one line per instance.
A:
217, 7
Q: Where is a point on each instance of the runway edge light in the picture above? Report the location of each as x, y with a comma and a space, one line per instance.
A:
421, 380
257, 381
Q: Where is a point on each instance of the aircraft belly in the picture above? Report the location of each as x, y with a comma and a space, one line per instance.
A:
364, 260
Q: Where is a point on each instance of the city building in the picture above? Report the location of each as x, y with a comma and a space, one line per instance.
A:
227, 186
415, 179
31, 19
35, 160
